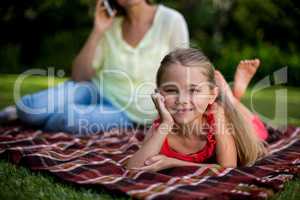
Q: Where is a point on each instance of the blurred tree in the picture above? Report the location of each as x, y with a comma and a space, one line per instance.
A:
42, 33
26, 25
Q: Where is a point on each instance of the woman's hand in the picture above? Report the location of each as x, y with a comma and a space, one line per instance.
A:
159, 102
102, 21
157, 163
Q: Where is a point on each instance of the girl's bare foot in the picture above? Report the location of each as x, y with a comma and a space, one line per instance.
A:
243, 75
223, 85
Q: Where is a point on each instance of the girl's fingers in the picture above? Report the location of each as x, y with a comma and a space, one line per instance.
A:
149, 162
152, 160
138, 168
161, 102
146, 168
154, 99
158, 101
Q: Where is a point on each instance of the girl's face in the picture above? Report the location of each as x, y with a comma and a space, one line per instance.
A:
187, 92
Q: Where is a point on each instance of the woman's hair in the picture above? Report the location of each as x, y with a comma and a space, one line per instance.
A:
249, 146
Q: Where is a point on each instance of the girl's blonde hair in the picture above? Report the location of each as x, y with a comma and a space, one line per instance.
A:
249, 146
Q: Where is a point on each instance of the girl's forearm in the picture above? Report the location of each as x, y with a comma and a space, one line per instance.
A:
150, 148
82, 70
180, 163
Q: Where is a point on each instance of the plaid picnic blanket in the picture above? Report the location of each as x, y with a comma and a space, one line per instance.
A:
98, 160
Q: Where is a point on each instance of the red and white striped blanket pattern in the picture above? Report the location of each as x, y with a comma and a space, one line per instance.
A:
99, 159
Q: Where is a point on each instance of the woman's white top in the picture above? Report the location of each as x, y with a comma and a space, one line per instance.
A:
125, 74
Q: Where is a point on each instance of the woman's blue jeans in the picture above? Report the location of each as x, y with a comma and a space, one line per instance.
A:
74, 107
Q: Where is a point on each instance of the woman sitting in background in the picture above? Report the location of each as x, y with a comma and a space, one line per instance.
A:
113, 74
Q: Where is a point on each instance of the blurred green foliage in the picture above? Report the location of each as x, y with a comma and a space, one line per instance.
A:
43, 33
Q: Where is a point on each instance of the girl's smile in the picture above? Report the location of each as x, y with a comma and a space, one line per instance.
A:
187, 93
184, 110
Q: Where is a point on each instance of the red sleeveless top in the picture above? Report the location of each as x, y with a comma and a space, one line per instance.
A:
204, 154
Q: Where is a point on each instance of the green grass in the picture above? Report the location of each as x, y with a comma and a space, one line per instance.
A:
30, 85
20, 183
17, 182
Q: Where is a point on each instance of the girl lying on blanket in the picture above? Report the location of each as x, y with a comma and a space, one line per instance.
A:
201, 120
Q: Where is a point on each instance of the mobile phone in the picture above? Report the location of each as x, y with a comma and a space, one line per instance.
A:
109, 7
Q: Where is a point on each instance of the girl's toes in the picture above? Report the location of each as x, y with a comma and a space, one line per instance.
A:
257, 62
252, 62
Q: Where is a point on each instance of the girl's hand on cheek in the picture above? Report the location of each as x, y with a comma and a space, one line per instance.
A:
159, 102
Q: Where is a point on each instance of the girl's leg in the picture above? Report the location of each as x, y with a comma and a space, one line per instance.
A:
221, 82
249, 116
243, 75
35, 109
88, 119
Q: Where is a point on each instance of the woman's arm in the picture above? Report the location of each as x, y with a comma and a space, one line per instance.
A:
81, 69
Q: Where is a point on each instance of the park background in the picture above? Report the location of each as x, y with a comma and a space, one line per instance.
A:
49, 33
